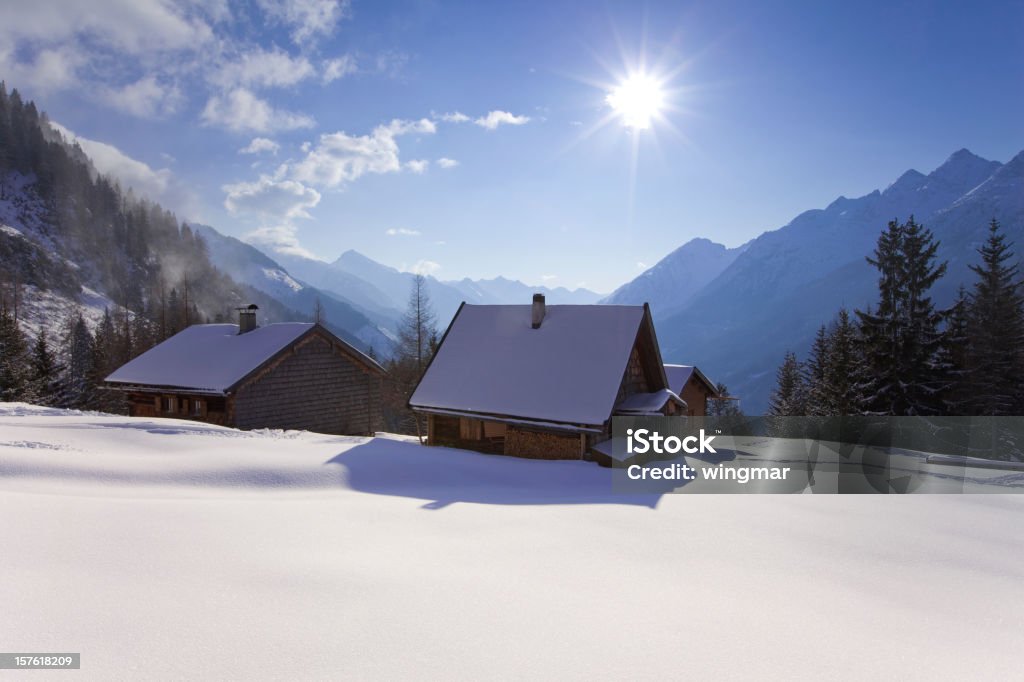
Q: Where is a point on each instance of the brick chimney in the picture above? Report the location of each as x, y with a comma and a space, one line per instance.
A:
247, 318
539, 308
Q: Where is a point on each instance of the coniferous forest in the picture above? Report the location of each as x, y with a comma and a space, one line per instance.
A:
903, 356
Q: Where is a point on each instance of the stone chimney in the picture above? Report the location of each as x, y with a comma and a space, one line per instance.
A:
247, 318
539, 308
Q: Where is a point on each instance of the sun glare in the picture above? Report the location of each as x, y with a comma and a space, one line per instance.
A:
637, 100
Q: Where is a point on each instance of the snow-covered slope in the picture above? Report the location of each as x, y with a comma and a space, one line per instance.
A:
789, 281
290, 555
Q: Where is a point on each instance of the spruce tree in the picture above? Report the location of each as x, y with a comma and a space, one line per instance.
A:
789, 399
995, 321
903, 339
816, 375
45, 372
14, 365
844, 369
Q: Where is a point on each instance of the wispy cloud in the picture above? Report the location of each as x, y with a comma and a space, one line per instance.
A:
339, 67
270, 198
425, 267
242, 111
260, 144
263, 68
403, 232
454, 117
445, 162
338, 157
308, 20
417, 166
145, 98
496, 118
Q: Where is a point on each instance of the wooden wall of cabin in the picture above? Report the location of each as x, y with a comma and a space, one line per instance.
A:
634, 379
212, 409
696, 395
316, 387
521, 442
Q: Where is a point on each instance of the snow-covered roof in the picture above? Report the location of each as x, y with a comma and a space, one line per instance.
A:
640, 404
208, 357
678, 375
491, 361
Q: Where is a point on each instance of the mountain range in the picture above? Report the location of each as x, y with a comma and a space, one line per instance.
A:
67, 241
773, 292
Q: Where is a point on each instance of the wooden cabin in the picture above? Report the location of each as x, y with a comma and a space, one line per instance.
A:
692, 386
287, 375
542, 381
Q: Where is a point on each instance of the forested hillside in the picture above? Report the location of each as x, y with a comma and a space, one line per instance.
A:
68, 233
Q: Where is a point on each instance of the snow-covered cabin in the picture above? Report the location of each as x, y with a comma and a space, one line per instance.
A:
689, 383
542, 381
289, 375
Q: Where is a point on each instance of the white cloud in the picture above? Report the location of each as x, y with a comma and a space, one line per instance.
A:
425, 267
417, 166
280, 238
263, 68
548, 278
339, 67
270, 199
47, 70
260, 144
640, 265
455, 117
496, 118
132, 26
308, 19
401, 231
338, 158
445, 162
145, 98
242, 111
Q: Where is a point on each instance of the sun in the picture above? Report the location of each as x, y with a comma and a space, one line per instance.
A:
638, 100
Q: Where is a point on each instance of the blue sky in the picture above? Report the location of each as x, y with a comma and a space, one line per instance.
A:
475, 139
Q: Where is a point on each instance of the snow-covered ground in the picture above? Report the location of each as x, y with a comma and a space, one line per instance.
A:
170, 549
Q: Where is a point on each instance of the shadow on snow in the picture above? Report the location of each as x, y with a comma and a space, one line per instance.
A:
444, 476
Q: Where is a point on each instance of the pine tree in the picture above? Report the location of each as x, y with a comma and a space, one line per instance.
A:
903, 339
789, 399
14, 366
955, 357
815, 375
844, 369
995, 320
79, 353
45, 372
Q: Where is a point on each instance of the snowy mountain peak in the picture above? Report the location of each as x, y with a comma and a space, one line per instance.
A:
964, 171
908, 182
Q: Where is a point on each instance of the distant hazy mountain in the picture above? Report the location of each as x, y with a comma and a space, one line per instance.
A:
384, 290
787, 282
677, 277
249, 265
502, 290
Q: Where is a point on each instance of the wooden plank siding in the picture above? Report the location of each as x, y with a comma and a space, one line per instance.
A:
316, 386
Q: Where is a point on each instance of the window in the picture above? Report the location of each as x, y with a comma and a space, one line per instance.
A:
197, 407
167, 404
